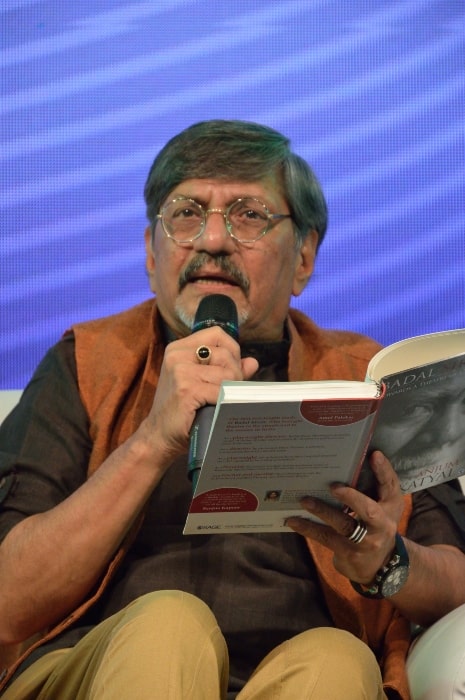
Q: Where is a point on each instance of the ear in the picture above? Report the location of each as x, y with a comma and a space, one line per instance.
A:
305, 261
149, 256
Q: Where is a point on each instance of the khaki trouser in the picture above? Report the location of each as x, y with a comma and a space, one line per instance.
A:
167, 646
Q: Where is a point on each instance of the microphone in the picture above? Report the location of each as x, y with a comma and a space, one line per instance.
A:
213, 310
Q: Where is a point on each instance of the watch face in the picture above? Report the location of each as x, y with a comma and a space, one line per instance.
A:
394, 580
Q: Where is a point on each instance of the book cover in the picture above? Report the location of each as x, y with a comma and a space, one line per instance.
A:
270, 447
421, 425
263, 456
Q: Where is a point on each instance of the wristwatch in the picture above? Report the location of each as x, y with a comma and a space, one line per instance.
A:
391, 577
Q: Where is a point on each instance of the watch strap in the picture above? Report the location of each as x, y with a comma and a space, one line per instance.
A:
398, 558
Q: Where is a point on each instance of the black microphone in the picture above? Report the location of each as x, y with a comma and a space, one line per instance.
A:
213, 310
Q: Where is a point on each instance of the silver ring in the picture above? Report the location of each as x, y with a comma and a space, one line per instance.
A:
203, 354
359, 532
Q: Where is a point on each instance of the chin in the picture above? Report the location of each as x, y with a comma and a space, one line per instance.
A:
185, 317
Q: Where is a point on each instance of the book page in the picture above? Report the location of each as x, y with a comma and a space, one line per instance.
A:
417, 351
242, 392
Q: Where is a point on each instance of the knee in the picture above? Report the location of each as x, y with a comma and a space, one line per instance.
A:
336, 651
176, 625
160, 608
318, 662
335, 643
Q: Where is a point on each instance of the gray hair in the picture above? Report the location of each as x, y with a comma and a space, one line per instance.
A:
237, 150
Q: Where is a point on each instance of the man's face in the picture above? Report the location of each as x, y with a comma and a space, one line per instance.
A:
430, 428
260, 277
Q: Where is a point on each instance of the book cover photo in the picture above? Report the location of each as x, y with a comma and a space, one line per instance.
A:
421, 424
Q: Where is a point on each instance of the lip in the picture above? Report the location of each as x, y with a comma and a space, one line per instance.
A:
212, 278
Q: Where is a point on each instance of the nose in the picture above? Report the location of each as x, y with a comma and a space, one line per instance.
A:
215, 237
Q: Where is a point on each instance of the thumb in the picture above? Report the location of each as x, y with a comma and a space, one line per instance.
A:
249, 367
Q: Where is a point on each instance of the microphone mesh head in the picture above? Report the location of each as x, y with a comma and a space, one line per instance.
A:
217, 310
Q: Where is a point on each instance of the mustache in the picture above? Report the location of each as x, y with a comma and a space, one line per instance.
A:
222, 262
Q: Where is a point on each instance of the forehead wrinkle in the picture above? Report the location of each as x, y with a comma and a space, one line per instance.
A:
270, 192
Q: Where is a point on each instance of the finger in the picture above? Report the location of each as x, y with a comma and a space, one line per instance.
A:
199, 358
249, 367
310, 528
389, 501
388, 481
337, 520
356, 502
357, 559
213, 337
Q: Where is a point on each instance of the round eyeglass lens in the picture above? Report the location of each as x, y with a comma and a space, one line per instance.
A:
248, 219
182, 218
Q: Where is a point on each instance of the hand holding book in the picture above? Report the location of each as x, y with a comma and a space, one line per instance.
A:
296, 438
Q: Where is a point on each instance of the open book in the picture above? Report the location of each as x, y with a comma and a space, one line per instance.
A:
273, 442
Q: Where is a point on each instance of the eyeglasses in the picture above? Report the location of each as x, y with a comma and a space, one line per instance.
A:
247, 219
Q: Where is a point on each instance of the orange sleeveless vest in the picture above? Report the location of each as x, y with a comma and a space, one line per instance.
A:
118, 364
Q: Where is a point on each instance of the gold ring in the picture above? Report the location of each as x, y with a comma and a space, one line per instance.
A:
203, 354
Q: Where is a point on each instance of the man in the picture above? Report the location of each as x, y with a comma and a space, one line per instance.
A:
93, 560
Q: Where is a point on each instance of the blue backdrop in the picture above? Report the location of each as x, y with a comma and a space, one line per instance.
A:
372, 93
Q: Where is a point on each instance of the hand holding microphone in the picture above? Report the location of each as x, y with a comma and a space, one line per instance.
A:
213, 310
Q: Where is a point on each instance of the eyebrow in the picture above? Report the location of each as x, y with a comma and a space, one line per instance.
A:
230, 201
